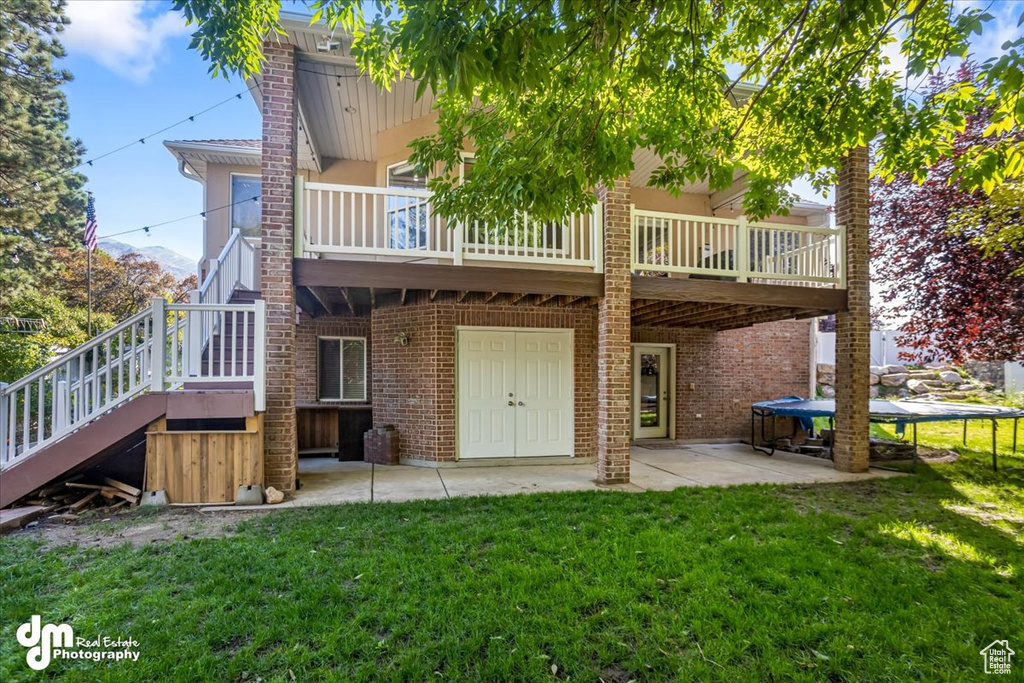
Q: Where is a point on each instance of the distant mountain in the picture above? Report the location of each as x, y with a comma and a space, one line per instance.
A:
171, 261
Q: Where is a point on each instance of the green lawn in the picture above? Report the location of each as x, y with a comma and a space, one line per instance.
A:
899, 579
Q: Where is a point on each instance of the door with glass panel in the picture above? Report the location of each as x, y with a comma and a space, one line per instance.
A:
652, 391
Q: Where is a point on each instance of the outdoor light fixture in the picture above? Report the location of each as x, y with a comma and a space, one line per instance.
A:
328, 45
402, 339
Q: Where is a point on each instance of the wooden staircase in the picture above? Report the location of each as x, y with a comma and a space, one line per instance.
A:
182, 361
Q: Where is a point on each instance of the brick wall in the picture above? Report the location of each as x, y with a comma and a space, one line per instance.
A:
404, 379
306, 335
730, 370
277, 172
414, 386
853, 328
613, 335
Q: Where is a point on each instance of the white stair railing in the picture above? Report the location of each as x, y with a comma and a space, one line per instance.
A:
147, 352
235, 268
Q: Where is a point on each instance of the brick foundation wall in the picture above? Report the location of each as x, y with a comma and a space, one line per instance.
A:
280, 459
853, 328
731, 370
404, 379
306, 334
414, 386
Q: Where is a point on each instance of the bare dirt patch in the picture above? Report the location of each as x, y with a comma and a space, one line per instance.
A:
138, 527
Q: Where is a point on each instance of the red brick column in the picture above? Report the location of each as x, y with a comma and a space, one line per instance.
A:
613, 338
280, 440
853, 328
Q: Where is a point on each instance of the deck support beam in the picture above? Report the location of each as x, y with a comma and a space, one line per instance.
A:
614, 331
853, 325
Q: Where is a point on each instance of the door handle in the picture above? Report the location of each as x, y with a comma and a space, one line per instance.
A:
511, 403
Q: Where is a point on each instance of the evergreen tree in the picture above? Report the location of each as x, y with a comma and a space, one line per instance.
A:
42, 204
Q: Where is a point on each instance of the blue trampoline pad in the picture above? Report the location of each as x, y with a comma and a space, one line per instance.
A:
906, 412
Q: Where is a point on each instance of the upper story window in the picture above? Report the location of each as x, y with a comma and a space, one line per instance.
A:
245, 213
407, 214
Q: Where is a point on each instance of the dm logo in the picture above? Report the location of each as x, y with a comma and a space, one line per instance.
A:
42, 640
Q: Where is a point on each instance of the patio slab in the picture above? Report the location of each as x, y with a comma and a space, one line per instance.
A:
472, 481
326, 481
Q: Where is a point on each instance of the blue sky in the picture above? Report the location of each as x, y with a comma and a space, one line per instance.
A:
134, 75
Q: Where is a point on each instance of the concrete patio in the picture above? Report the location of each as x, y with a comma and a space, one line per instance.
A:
665, 467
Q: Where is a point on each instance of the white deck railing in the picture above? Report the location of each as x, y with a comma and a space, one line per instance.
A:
147, 352
733, 248
235, 268
394, 222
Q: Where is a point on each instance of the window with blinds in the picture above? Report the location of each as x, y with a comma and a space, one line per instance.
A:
341, 369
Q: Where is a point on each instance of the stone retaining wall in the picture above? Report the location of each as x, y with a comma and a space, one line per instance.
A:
899, 381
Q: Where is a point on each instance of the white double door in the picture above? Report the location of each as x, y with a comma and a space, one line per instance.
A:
515, 395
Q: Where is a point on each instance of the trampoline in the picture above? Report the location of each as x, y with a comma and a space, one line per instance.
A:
899, 413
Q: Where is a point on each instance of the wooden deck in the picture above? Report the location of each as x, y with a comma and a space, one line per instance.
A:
339, 287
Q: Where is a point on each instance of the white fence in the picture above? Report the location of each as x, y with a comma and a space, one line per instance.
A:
151, 351
402, 223
735, 249
884, 349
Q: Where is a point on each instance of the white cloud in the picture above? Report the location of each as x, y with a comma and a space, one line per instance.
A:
120, 35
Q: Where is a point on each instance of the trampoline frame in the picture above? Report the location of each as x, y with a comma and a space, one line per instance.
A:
761, 411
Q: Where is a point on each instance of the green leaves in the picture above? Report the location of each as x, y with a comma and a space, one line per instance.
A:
555, 97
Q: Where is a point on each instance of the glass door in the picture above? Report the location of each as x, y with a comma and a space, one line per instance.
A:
652, 392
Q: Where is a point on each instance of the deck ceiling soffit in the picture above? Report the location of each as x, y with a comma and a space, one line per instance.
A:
345, 111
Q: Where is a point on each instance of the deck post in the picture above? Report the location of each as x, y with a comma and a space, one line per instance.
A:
742, 249
158, 344
278, 235
614, 331
853, 326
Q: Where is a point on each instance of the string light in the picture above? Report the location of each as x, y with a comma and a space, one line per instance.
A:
202, 214
141, 141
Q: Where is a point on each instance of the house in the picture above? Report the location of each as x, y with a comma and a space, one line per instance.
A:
334, 295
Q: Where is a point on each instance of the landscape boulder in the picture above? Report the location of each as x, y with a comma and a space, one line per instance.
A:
918, 386
893, 379
951, 377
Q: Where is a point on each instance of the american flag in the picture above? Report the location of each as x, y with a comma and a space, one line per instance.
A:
90, 225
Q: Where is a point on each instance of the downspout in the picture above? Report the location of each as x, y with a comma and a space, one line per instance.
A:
183, 170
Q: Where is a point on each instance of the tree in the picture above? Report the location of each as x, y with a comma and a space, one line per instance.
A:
928, 249
64, 327
41, 202
121, 287
555, 96
998, 224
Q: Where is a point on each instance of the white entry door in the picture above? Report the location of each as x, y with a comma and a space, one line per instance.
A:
515, 393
